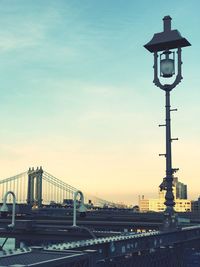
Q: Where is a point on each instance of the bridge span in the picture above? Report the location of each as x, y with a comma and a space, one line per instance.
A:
37, 187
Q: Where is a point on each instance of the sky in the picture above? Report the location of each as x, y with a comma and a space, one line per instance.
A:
77, 98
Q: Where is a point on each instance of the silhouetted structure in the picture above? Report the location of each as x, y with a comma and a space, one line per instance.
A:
163, 44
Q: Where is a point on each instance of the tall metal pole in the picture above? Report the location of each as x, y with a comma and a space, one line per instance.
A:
170, 221
169, 197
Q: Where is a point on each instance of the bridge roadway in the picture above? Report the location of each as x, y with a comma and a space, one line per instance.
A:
111, 214
122, 248
63, 213
102, 224
31, 232
107, 245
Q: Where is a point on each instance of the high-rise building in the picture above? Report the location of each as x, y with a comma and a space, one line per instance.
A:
181, 189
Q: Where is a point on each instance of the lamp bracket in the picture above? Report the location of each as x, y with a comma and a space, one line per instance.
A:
174, 139
174, 170
162, 125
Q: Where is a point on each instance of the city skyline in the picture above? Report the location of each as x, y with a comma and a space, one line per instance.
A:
78, 98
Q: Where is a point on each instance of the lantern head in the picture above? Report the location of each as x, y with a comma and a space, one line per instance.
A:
161, 44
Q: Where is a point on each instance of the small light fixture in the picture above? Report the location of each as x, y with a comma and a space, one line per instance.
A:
4, 208
82, 208
167, 67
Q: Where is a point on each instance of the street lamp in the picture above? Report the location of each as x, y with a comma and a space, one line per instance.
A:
166, 46
82, 209
4, 207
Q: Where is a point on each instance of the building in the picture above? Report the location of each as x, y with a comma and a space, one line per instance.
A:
181, 189
143, 204
182, 205
196, 205
157, 204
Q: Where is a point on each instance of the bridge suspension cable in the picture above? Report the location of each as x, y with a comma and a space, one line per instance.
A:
68, 192
53, 189
17, 184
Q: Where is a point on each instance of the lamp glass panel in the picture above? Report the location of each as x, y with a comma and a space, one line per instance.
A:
167, 67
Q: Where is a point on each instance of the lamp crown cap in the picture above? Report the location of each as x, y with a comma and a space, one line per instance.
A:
167, 17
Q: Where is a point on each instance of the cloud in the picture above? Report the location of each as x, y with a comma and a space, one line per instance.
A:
22, 27
9, 42
20, 34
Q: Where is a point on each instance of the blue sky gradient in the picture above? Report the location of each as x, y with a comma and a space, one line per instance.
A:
77, 95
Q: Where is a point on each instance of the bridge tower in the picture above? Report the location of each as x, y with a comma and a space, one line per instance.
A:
34, 193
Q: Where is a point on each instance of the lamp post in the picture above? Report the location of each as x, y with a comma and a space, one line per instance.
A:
82, 209
166, 47
4, 207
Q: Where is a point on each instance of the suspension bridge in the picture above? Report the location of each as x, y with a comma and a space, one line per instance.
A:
38, 187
